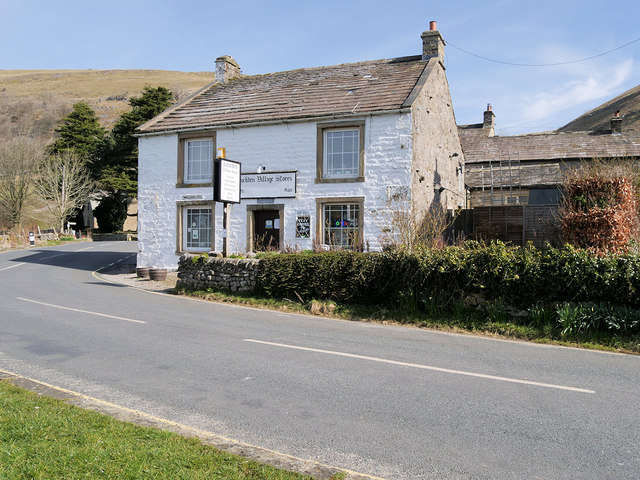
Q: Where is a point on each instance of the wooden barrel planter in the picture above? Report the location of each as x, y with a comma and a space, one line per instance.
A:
158, 274
142, 272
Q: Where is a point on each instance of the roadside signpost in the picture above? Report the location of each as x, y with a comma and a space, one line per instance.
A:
226, 189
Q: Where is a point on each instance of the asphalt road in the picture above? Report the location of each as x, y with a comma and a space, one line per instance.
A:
394, 402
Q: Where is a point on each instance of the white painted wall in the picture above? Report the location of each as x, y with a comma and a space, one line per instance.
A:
388, 147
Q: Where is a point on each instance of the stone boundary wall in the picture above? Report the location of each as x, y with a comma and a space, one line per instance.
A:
114, 237
230, 274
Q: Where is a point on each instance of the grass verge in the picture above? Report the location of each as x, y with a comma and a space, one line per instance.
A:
461, 320
44, 438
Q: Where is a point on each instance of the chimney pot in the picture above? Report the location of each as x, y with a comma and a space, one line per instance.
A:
433, 25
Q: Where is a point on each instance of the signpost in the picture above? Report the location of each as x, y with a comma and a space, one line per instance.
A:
226, 189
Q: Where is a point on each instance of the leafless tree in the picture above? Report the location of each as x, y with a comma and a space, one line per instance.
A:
20, 157
63, 185
403, 231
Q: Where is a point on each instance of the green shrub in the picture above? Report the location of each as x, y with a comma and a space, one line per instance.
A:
436, 280
201, 258
497, 313
541, 315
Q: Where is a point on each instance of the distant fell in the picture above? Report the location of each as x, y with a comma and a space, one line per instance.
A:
600, 117
39, 99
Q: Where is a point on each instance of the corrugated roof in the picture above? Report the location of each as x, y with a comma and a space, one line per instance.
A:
348, 89
478, 147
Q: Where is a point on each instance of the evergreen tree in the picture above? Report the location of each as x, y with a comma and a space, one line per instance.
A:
117, 172
80, 131
119, 163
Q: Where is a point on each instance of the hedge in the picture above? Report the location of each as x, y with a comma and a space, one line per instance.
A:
517, 276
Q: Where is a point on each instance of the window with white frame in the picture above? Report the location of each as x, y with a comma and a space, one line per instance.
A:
198, 159
196, 223
341, 225
340, 152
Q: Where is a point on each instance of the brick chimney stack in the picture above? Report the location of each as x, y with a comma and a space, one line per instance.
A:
489, 123
433, 44
616, 123
226, 69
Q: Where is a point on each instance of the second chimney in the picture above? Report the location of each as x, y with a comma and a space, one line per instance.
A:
226, 69
616, 123
489, 121
433, 44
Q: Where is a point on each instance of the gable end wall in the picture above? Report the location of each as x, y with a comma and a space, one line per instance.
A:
435, 141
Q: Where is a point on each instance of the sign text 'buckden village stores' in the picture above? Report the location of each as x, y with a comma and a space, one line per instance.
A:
268, 185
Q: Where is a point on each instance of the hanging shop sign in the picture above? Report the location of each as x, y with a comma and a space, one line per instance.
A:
268, 185
226, 185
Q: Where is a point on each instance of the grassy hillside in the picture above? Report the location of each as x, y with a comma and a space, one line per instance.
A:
38, 99
600, 117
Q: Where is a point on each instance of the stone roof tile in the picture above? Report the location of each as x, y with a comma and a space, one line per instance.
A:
478, 147
340, 90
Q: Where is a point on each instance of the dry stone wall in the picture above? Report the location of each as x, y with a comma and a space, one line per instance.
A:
230, 274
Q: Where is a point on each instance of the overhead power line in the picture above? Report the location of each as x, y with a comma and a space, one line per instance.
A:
542, 64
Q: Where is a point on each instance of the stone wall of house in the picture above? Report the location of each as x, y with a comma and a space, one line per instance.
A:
230, 274
438, 177
278, 148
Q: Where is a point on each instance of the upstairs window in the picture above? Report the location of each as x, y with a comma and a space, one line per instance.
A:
340, 152
196, 152
198, 161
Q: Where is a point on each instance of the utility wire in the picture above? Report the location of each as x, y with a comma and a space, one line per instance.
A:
543, 64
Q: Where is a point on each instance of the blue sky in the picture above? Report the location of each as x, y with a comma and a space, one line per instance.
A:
268, 36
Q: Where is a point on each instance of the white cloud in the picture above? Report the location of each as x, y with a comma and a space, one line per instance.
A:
598, 84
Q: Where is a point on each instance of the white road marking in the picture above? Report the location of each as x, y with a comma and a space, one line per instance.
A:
12, 266
80, 311
425, 367
53, 256
83, 249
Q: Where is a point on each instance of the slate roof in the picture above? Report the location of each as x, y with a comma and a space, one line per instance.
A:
478, 148
340, 90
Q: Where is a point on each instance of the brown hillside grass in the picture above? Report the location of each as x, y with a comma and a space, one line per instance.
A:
38, 99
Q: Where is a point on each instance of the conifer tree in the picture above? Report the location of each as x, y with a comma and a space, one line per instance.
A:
119, 163
81, 132
117, 172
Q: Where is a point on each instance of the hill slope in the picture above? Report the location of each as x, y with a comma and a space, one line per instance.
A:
38, 99
600, 117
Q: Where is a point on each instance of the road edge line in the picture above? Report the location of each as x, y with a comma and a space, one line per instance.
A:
137, 417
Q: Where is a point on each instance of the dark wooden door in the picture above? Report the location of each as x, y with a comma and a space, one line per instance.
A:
267, 230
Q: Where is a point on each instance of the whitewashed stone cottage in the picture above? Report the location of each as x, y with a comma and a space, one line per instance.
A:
327, 153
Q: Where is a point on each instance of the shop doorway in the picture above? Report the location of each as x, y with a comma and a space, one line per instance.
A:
266, 230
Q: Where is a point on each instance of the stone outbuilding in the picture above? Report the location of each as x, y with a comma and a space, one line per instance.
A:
529, 169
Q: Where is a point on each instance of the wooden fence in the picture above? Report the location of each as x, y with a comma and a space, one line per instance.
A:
515, 224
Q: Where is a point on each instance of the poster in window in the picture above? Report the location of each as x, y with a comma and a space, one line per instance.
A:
303, 225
